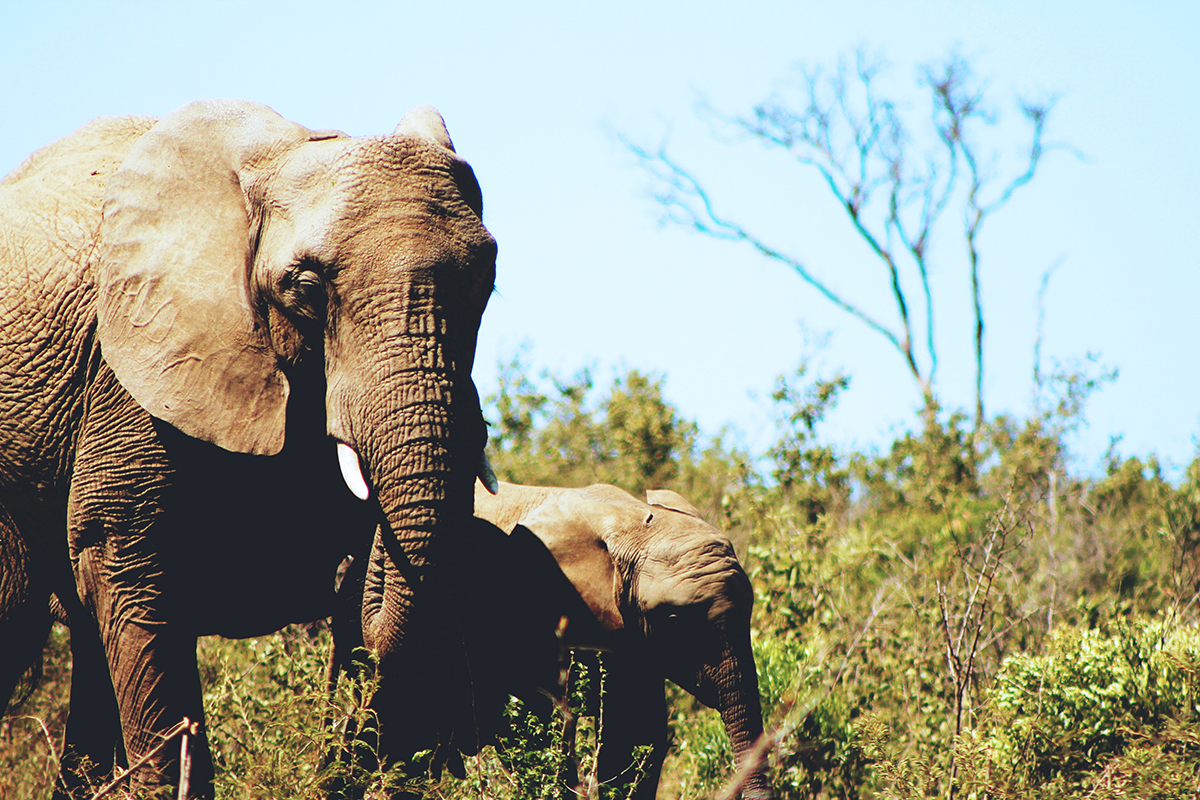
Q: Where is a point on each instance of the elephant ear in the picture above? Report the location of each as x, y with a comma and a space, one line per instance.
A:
665, 498
572, 529
424, 122
175, 316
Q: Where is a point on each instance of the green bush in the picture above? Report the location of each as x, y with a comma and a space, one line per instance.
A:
264, 702
1099, 706
563, 435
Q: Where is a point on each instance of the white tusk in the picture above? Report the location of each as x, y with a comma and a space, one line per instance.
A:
486, 475
352, 471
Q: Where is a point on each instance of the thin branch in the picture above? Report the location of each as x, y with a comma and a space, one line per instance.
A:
46, 734
775, 125
1038, 378
961, 655
185, 725
718, 227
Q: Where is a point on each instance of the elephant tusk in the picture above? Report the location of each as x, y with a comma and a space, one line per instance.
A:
486, 475
352, 471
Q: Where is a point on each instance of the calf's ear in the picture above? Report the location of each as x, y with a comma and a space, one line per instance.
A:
665, 498
573, 531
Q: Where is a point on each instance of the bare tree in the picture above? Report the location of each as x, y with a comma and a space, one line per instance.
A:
896, 183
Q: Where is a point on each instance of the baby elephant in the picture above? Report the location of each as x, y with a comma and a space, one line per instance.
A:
651, 584
540, 570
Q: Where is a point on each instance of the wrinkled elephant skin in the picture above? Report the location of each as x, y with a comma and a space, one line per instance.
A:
205, 322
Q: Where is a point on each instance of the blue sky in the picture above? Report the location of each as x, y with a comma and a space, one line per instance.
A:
533, 93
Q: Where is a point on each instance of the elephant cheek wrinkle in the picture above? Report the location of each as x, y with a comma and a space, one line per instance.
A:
352, 471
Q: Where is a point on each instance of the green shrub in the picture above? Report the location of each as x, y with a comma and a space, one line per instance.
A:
264, 700
564, 435
1096, 705
869, 569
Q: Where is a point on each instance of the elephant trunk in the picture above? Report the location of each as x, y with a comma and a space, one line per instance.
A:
426, 494
409, 623
421, 461
735, 683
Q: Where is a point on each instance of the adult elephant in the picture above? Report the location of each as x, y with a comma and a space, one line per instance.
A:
200, 316
651, 584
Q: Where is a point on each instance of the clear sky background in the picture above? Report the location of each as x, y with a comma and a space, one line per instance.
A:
533, 93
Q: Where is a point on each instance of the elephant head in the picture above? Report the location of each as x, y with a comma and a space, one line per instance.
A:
250, 268
669, 593
693, 600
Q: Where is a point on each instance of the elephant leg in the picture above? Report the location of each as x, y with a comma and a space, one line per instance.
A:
633, 713
25, 619
346, 626
93, 725
24, 611
119, 529
155, 684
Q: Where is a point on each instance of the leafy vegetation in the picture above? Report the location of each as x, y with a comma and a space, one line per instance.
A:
897, 590
961, 613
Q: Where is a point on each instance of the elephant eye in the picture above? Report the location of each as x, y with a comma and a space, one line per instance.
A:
308, 271
308, 282
302, 290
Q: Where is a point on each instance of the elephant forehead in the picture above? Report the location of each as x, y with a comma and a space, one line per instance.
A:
346, 158
404, 169
691, 571
373, 174
376, 203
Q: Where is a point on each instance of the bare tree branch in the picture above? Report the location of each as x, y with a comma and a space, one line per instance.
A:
893, 185
682, 185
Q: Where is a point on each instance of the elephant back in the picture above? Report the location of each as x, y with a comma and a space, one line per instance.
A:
49, 218
59, 189
50, 210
